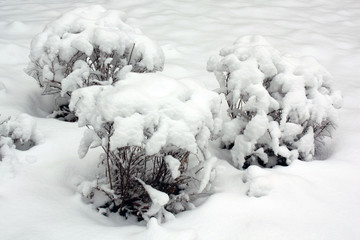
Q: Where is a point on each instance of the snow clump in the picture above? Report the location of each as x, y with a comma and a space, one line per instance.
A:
280, 107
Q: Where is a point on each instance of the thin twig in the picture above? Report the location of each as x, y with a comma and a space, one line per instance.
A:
132, 50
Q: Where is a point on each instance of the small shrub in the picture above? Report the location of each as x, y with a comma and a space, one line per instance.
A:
85, 47
19, 133
153, 131
280, 108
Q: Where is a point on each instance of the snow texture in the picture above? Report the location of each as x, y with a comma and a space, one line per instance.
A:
158, 201
149, 110
173, 165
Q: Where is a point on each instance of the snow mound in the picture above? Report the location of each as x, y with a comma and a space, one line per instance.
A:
259, 183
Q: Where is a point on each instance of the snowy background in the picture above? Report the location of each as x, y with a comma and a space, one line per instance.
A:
307, 200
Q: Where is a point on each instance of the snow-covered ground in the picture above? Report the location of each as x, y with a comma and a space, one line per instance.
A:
307, 200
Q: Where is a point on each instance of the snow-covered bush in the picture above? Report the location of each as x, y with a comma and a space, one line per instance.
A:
89, 46
154, 132
19, 133
280, 107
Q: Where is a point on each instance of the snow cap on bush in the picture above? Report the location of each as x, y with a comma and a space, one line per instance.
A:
280, 107
90, 46
151, 111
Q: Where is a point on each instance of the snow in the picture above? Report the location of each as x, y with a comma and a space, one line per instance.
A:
174, 165
128, 131
158, 199
151, 110
306, 200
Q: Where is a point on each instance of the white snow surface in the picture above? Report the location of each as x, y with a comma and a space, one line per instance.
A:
306, 200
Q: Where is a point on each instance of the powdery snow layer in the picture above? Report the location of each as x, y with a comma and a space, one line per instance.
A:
150, 110
307, 200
